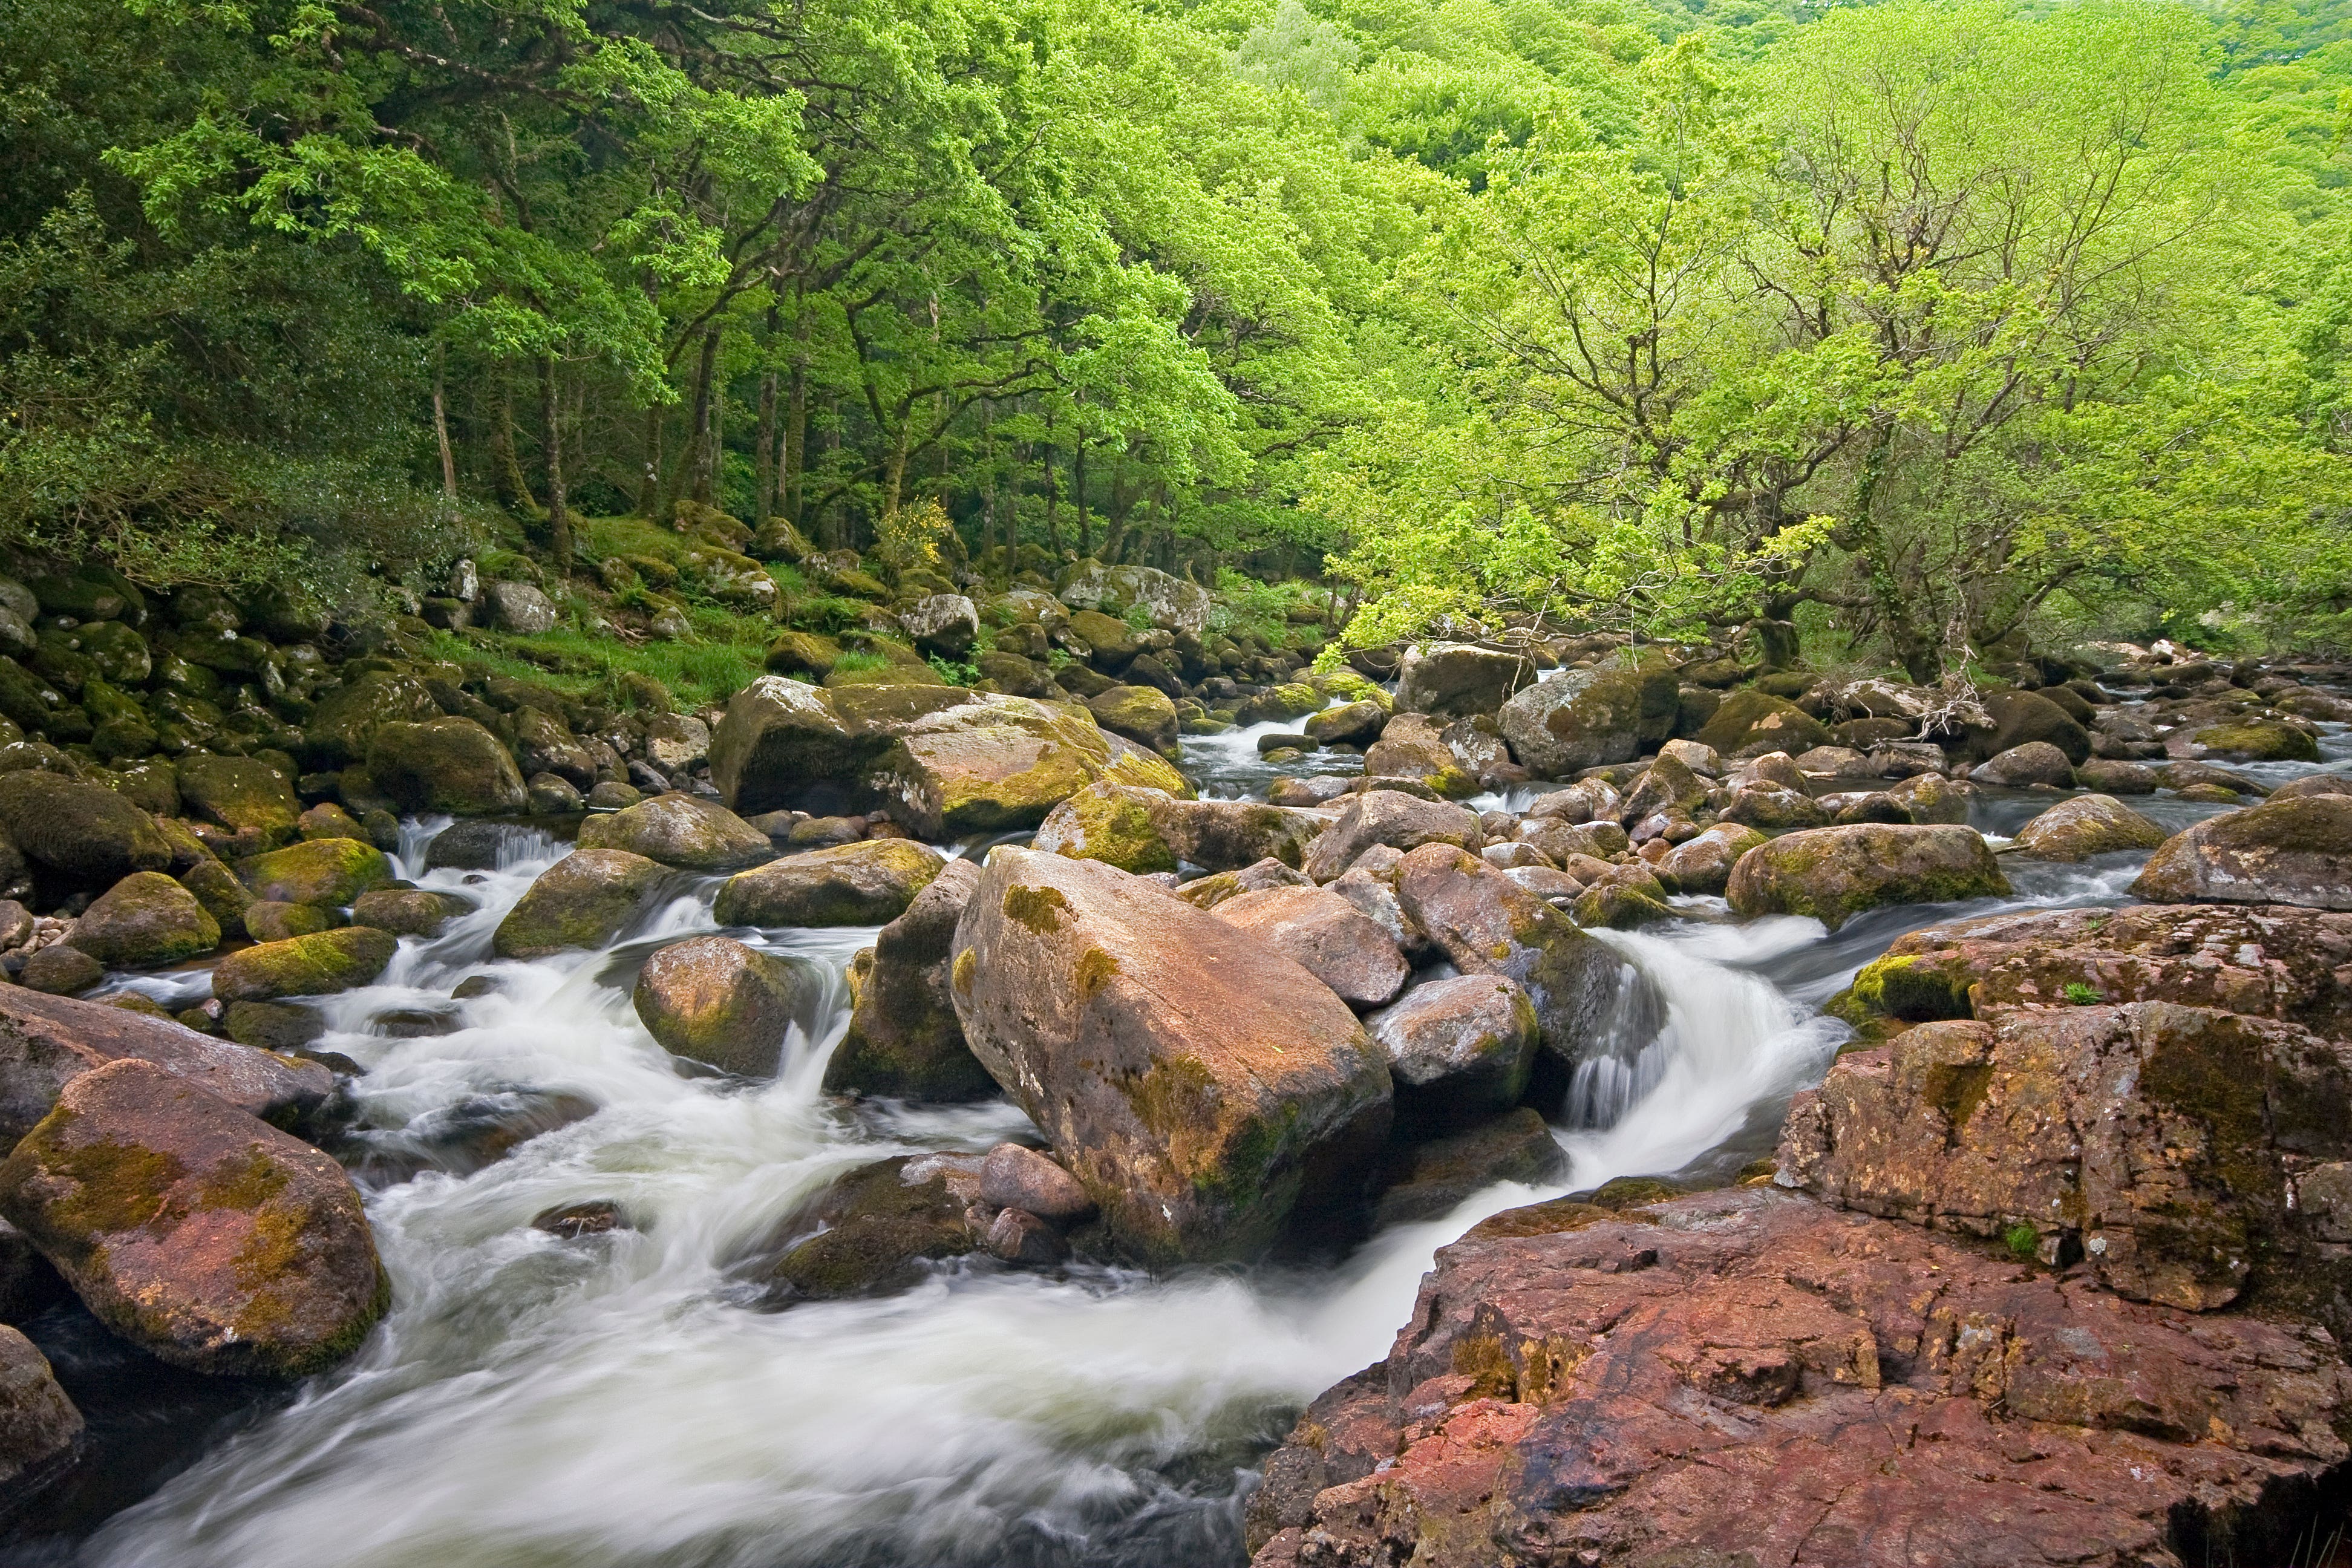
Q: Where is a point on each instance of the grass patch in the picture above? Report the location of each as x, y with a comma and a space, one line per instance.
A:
2022, 1240
725, 655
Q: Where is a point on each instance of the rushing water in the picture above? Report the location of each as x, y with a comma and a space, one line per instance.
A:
622, 1400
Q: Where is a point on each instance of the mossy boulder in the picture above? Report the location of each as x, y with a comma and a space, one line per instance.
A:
2292, 851
715, 1000
809, 654
331, 872
903, 1040
1112, 640
787, 743
240, 794
61, 969
2257, 741
1279, 704
1138, 713
681, 830
313, 965
2020, 717
2085, 826
873, 1230
410, 911
1916, 988
1119, 824
1703, 865
344, 721
1583, 719
584, 900
215, 887
78, 835
144, 920
40, 1431
1834, 873
1461, 1050
1347, 724
204, 1236
271, 920
848, 885
999, 762
1458, 680
446, 764
1750, 724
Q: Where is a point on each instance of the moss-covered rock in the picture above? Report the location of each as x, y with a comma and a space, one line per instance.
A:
584, 900
313, 965
2085, 826
1138, 713
344, 722
445, 764
1582, 718
78, 835
271, 920
2292, 851
849, 885
200, 1235
680, 830
1000, 762
903, 1040
144, 920
805, 654
61, 969
240, 794
2020, 717
410, 911
225, 897
330, 872
1834, 873
2257, 741
1118, 825
875, 1227
40, 1430
717, 1001
1749, 723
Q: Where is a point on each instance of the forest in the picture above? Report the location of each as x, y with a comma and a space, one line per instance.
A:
1929, 329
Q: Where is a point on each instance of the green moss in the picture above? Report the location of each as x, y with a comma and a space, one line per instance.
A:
1039, 909
116, 1186
1911, 988
1173, 1095
967, 964
1096, 969
1956, 1090
248, 1185
2023, 1241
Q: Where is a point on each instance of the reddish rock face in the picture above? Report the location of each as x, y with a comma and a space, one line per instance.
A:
1748, 1377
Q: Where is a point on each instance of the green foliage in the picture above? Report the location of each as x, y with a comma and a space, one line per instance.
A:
954, 671
2080, 994
2023, 1241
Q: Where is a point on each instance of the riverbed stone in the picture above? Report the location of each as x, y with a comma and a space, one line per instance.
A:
2292, 851
683, 830
785, 742
241, 795
904, 1039
1749, 723
1428, 1180
344, 722
1703, 863
999, 762
268, 920
1141, 713
1326, 936
584, 900
446, 764
199, 1233
1014, 1177
1583, 719
1748, 1376
1347, 724
1933, 799
1456, 681
40, 1430
146, 920
1119, 824
2253, 741
410, 911
1390, 817
1460, 1048
715, 1000
61, 969
874, 1230
2020, 717
312, 965
1835, 873
2022, 767
330, 872
77, 835
1202, 1087
865, 883
2085, 826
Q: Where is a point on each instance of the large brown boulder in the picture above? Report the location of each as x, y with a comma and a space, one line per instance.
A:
2085, 826
1456, 680
1489, 924
1835, 873
2153, 1139
446, 764
1752, 723
1200, 1086
1583, 718
40, 1430
146, 920
1392, 817
197, 1232
999, 762
858, 884
47, 1042
903, 1040
2292, 851
2020, 717
679, 829
584, 900
1326, 935
78, 835
1748, 1377
717, 1001
784, 742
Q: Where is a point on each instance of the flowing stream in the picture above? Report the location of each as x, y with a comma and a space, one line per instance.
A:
623, 1400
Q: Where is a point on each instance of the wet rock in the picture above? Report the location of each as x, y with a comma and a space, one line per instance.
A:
2253, 740
1347, 724
2294, 851
2183, 776
1454, 681
1933, 799
146, 920
1834, 873
878, 1226
471, 1135
313, 965
410, 911
1460, 1050
1119, 824
2018, 717
2111, 776
1413, 746
1138, 712
40, 1430
1201, 1086
2020, 767
1489, 925
598, 1216
76, 834
1326, 936
466, 847
61, 969
1748, 1377
272, 1026
904, 1039
1388, 817
681, 830
1770, 807
201, 1234
1703, 865
328, 872
1016, 1236
584, 900
2313, 783
266, 919
1622, 899
1583, 719
1559, 841
999, 762
850, 885
717, 1001
1749, 723
1431, 1180
1208, 892
1014, 1177
47, 1042
2153, 1138
2085, 826
445, 764
240, 794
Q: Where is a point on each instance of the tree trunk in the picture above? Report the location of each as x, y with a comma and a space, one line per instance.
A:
763, 483
1079, 497
796, 423
441, 427
1916, 652
894, 479
697, 451
1052, 498
559, 517
514, 490
649, 486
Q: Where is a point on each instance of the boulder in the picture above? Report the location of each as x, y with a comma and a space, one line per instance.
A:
785, 742
1489, 925
47, 1042
410, 911
1111, 639
874, 1230
681, 830
1326, 936
2292, 851
2020, 767
1834, 873
1347, 724
1460, 1050
520, 607
676, 742
61, 969
1429, 1179
2253, 740
1116, 824
2018, 716
1750, 724
1138, 712
240, 794
1208, 892
544, 743
584, 900
1392, 817
1413, 746
345, 720
1201, 1086
1454, 681
1583, 719
1018, 1178
904, 1039
313, 965
78, 835
2310, 784
2085, 826
999, 762
2110, 777
146, 920
1227, 835
445, 764
200, 1235
944, 624
328, 872
849, 885
40, 1430
266, 919
1748, 1376
717, 1001
1703, 865
2155, 1140
1173, 603
1931, 798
